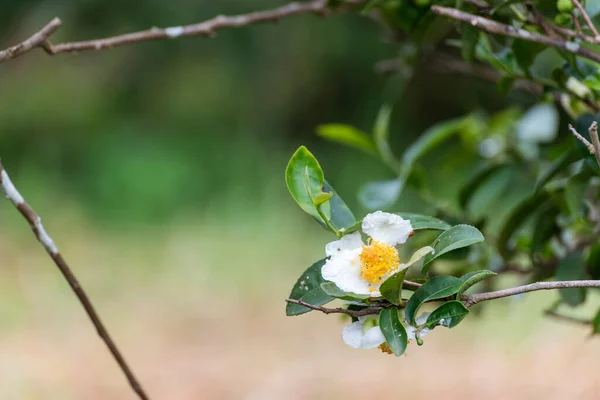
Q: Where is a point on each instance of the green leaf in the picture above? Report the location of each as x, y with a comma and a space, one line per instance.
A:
437, 288
393, 330
308, 289
572, 267
380, 195
448, 314
469, 43
457, 237
467, 191
332, 290
525, 52
557, 165
303, 169
341, 217
391, 288
347, 135
472, 278
381, 135
574, 193
419, 222
517, 217
596, 324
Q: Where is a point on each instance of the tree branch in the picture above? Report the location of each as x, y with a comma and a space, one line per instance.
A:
594, 147
497, 28
587, 19
38, 39
35, 222
473, 299
338, 310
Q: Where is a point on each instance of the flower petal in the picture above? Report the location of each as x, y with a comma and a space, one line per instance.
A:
410, 332
348, 242
345, 271
372, 338
388, 228
353, 334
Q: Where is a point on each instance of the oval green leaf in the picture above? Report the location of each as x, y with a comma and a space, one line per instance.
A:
420, 222
471, 278
308, 289
457, 237
393, 330
448, 314
437, 288
391, 288
347, 135
304, 170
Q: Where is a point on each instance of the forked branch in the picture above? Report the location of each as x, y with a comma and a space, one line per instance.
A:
12, 194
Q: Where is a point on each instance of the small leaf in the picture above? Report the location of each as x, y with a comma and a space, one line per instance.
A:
380, 195
332, 290
472, 278
391, 288
308, 289
303, 169
457, 237
347, 135
417, 255
572, 267
322, 198
341, 216
448, 314
393, 330
437, 288
419, 222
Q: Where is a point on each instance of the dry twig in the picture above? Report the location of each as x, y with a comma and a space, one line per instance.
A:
35, 222
594, 147
36, 40
338, 310
587, 19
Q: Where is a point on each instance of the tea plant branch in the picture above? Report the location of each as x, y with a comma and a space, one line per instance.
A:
338, 310
594, 147
206, 29
497, 28
473, 299
35, 222
587, 19
36, 40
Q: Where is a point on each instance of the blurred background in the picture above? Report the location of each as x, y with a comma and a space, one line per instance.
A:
158, 171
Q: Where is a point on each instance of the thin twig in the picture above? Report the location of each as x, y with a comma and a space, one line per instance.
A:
36, 40
413, 284
473, 299
592, 147
587, 19
35, 222
568, 318
497, 28
338, 310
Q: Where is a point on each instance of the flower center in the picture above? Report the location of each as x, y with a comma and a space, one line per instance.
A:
385, 348
377, 260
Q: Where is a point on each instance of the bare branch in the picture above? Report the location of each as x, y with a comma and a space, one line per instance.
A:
594, 147
35, 222
36, 40
206, 28
587, 19
473, 299
413, 284
338, 310
497, 28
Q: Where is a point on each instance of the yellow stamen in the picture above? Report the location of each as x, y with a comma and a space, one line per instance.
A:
385, 348
378, 259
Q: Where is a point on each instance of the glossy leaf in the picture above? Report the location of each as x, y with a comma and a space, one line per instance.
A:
448, 314
572, 267
332, 290
340, 214
457, 237
303, 169
419, 222
347, 135
391, 288
472, 278
393, 330
437, 288
308, 289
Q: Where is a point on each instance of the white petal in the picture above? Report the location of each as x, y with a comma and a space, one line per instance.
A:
348, 242
410, 332
353, 334
372, 338
422, 318
388, 228
345, 271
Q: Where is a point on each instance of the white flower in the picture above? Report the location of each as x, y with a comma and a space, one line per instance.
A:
355, 336
358, 268
411, 330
